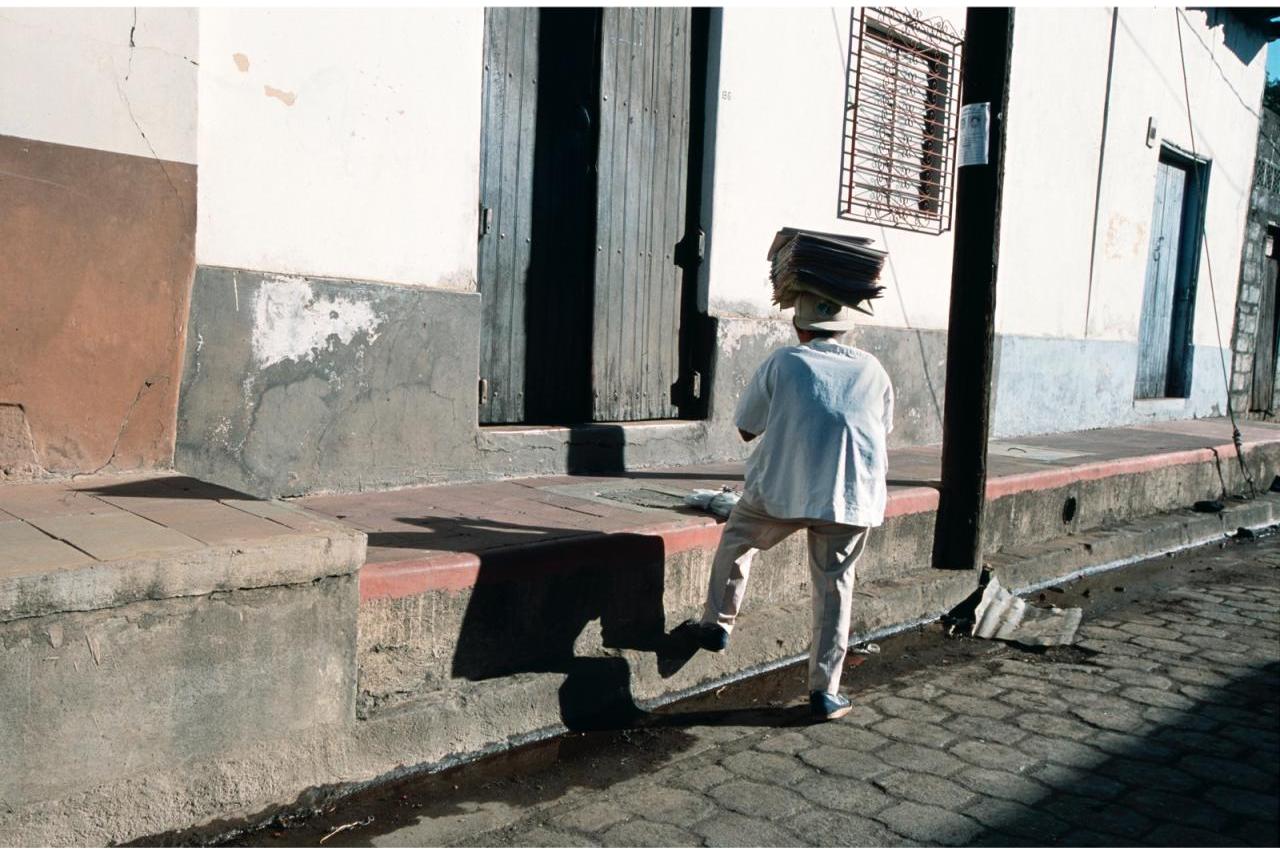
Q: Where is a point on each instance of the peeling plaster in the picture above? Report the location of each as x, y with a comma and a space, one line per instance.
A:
241, 61
1125, 238
286, 98
771, 332
292, 322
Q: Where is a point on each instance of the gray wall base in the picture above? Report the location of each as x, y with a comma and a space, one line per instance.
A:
299, 385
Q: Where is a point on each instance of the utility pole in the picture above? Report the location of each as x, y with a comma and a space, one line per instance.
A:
988, 43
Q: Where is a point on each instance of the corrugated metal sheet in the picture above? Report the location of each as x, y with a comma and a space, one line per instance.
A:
642, 166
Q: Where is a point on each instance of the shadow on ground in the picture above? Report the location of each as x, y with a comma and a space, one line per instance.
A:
1208, 776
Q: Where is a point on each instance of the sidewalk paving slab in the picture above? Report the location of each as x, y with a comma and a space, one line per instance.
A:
420, 528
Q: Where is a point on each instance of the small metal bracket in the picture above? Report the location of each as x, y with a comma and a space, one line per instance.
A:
484, 390
486, 219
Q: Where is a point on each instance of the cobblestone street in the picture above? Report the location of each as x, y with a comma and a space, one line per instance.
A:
1161, 727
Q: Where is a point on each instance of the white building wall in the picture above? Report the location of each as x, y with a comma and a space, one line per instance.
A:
1057, 94
1069, 348
341, 143
1055, 126
780, 112
1224, 97
120, 80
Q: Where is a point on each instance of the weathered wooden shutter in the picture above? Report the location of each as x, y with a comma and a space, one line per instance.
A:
1158, 291
506, 195
640, 211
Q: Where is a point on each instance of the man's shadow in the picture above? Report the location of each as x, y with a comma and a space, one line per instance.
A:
555, 600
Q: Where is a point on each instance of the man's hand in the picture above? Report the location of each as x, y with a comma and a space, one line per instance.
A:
746, 436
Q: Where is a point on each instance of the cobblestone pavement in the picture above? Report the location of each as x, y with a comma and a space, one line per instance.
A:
1163, 729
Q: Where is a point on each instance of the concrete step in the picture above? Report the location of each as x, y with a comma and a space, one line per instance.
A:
152, 624
1061, 559
503, 712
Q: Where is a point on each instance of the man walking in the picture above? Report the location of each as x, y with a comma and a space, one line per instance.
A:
822, 410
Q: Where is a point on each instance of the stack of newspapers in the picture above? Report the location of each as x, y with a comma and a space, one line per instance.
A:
837, 267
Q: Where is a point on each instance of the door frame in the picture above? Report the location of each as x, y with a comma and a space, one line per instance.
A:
1182, 324
696, 336
1269, 290
1181, 352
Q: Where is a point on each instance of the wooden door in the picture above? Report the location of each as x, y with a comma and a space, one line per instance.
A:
1159, 290
538, 187
1265, 341
506, 202
640, 211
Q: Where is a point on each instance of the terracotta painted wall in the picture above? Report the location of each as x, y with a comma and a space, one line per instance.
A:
97, 224
96, 259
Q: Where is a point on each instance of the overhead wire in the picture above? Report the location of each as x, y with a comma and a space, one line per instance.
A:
1236, 438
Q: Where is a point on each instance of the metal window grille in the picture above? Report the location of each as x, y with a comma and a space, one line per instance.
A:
901, 120
1269, 176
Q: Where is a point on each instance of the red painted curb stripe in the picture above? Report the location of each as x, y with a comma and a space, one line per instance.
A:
459, 571
404, 578
1044, 480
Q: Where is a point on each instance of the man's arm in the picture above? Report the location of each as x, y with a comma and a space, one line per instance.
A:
752, 413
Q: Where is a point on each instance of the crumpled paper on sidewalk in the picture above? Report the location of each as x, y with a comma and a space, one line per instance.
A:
720, 502
1001, 615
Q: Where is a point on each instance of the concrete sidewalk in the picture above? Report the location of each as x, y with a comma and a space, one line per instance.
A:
470, 585
1161, 727
421, 538
175, 653
48, 527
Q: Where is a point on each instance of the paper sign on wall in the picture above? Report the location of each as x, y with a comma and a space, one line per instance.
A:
975, 123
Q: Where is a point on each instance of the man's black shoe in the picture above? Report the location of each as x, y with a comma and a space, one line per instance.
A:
713, 638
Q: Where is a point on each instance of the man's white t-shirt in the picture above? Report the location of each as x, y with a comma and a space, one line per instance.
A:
823, 412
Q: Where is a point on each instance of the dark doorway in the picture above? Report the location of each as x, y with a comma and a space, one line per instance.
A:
586, 216
1173, 260
1267, 334
537, 213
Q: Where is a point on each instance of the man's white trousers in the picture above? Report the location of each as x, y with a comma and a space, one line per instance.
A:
833, 552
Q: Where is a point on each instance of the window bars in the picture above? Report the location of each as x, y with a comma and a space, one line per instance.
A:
902, 108
1268, 176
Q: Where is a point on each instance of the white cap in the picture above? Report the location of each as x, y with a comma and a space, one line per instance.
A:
814, 312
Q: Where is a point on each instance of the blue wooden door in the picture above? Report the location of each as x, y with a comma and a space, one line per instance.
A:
1154, 335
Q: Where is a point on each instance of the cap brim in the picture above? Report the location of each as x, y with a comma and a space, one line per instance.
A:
826, 325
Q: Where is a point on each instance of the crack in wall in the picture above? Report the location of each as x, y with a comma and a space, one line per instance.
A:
124, 425
128, 105
36, 180
176, 595
132, 44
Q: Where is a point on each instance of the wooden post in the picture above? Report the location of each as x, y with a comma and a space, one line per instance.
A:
966, 418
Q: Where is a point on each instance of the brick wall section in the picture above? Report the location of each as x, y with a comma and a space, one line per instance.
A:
1264, 207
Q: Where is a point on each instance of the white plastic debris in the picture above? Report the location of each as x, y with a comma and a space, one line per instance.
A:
721, 502
867, 649
1001, 615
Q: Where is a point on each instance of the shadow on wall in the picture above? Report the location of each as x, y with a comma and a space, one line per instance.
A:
1243, 38
596, 449
551, 600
